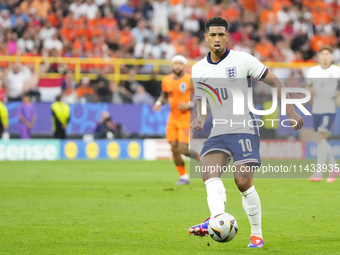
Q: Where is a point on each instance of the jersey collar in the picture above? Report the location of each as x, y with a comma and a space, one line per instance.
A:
226, 53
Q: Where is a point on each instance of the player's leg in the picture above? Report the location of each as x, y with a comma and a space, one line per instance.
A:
214, 157
172, 137
250, 201
322, 124
179, 162
246, 154
183, 139
216, 193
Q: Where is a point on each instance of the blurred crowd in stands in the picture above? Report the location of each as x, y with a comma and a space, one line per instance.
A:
290, 31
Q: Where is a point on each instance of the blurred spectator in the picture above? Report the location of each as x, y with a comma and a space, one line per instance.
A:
117, 96
20, 27
25, 6
102, 87
142, 97
85, 92
47, 31
53, 43
76, 8
107, 8
42, 7
125, 10
60, 117
31, 85
105, 127
160, 21
12, 43
5, 19
168, 48
16, 15
2, 91
27, 117
89, 9
140, 32
153, 86
191, 24
68, 87
15, 80
143, 49
25, 44
3, 117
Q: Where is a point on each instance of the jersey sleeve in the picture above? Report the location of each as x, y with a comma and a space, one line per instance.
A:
254, 68
195, 79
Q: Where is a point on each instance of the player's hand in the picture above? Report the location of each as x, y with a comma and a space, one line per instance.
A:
183, 106
156, 107
294, 116
197, 124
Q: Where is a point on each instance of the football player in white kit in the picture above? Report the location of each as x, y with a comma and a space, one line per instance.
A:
322, 81
226, 141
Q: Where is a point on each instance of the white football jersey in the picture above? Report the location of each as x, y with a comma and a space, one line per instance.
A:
233, 70
325, 83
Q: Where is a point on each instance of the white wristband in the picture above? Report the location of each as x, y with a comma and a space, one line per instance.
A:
191, 104
158, 103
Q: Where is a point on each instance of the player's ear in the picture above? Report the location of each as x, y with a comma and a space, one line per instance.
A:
206, 36
227, 36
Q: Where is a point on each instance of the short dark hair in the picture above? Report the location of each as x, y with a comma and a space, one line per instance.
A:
326, 47
216, 22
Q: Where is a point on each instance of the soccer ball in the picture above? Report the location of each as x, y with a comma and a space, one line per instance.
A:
222, 227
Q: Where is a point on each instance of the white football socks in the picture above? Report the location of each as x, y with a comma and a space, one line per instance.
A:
252, 206
330, 156
217, 196
324, 155
321, 157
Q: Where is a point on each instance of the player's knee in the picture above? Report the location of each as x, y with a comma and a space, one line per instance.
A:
184, 150
243, 184
174, 149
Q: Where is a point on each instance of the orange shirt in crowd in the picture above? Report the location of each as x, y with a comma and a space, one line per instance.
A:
42, 8
319, 16
53, 19
108, 23
231, 14
69, 34
178, 91
317, 42
265, 49
82, 91
249, 5
86, 47
175, 35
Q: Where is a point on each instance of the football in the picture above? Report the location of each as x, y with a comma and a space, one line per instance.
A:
223, 227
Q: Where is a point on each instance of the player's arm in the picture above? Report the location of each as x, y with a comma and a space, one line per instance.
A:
274, 82
201, 118
163, 99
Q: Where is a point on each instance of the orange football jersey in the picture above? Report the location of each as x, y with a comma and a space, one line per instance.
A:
178, 91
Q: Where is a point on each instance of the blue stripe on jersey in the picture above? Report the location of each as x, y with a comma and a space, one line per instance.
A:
226, 53
256, 129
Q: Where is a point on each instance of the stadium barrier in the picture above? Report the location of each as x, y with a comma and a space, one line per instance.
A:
148, 149
116, 63
141, 120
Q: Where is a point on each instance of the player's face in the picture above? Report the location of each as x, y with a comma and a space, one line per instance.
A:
217, 38
325, 57
178, 67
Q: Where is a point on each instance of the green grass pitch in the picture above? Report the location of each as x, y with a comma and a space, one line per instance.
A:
133, 207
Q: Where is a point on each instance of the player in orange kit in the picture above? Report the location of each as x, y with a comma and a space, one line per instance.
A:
176, 90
